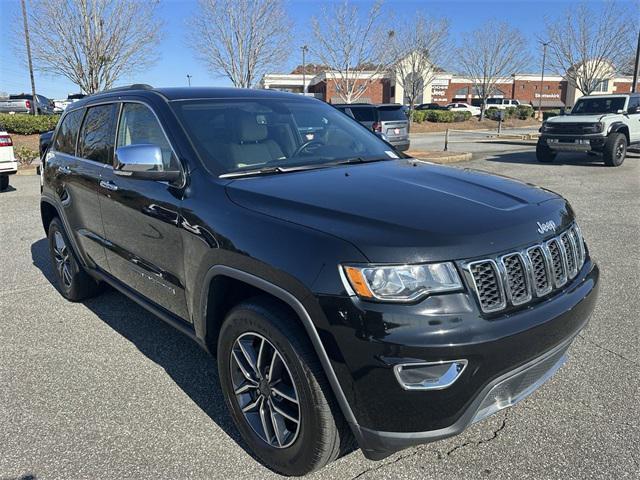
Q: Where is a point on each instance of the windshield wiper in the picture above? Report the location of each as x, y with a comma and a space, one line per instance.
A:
352, 160
269, 171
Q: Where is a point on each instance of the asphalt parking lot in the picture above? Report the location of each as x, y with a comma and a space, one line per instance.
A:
103, 389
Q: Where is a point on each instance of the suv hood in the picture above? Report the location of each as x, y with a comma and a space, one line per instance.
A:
583, 118
408, 211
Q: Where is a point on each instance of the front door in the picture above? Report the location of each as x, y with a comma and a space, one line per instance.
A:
634, 119
141, 219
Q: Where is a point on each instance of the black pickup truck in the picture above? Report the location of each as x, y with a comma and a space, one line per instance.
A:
351, 294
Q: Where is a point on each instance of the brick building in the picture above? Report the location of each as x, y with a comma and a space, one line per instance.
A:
554, 92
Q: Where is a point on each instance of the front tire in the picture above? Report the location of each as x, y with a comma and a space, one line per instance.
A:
544, 154
615, 150
276, 391
74, 282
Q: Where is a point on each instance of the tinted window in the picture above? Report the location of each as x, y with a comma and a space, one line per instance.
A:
68, 133
138, 125
364, 114
245, 134
494, 101
598, 105
391, 113
634, 102
98, 134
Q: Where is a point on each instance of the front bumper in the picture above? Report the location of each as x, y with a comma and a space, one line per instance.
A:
574, 143
8, 168
509, 357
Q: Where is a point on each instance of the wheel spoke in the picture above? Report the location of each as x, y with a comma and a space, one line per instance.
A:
259, 360
263, 420
242, 368
244, 388
285, 392
273, 361
274, 421
66, 275
252, 405
283, 413
250, 359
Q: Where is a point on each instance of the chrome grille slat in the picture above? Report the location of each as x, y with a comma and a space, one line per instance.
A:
516, 277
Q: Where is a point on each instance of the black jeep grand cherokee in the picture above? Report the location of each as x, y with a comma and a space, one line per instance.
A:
349, 292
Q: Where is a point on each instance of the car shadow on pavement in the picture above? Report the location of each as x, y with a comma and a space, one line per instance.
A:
10, 188
188, 365
577, 159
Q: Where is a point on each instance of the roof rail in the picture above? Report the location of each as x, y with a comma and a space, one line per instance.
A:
135, 86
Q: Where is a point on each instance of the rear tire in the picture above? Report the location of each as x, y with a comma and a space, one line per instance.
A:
4, 182
74, 282
321, 433
615, 150
544, 154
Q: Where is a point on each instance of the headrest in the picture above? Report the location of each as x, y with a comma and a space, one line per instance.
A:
249, 130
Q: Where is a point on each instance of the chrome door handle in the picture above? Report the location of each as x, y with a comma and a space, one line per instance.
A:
64, 169
108, 185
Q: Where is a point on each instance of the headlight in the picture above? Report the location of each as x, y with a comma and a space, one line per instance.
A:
402, 283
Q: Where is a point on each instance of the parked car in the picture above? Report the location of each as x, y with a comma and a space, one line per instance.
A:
601, 124
464, 107
8, 164
23, 103
430, 106
501, 103
387, 119
347, 293
60, 105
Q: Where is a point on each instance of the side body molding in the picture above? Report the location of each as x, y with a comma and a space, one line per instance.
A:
308, 324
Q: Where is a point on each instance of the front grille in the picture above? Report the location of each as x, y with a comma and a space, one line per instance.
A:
570, 128
515, 278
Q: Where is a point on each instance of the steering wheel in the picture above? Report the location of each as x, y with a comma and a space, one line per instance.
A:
306, 145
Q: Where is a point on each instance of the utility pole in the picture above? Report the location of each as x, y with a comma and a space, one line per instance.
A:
304, 49
544, 58
189, 79
636, 67
26, 38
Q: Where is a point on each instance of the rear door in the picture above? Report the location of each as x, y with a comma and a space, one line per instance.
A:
141, 218
394, 123
78, 171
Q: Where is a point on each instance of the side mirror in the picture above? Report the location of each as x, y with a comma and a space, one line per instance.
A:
144, 162
622, 111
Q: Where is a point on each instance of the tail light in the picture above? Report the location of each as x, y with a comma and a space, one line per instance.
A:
28, 104
5, 141
376, 127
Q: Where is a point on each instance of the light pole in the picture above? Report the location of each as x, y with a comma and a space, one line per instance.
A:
304, 49
544, 58
26, 38
189, 79
636, 66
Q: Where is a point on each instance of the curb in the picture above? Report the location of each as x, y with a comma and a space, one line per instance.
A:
441, 157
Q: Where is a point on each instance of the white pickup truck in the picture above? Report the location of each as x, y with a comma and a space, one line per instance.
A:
8, 164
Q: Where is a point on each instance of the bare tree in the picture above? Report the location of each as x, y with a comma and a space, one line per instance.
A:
93, 43
241, 39
590, 46
352, 48
419, 48
490, 54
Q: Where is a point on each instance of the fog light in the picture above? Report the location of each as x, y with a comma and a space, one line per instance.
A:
429, 375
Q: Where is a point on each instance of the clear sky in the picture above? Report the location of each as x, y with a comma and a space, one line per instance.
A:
176, 59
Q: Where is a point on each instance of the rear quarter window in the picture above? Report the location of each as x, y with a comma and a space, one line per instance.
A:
67, 135
391, 113
364, 114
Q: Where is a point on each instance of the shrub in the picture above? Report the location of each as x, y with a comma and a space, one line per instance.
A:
550, 113
25, 155
418, 116
492, 113
510, 112
27, 124
525, 111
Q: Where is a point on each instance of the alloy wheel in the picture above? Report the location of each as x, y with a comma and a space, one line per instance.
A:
62, 258
264, 389
620, 150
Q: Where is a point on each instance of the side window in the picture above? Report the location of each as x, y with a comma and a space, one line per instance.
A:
138, 125
634, 102
67, 135
98, 134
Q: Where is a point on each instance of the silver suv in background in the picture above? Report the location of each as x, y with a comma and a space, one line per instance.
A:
23, 103
387, 119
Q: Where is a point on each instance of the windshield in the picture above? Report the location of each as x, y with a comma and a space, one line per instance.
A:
234, 135
595, 105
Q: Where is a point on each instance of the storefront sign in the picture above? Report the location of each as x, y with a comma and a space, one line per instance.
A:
547, 95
